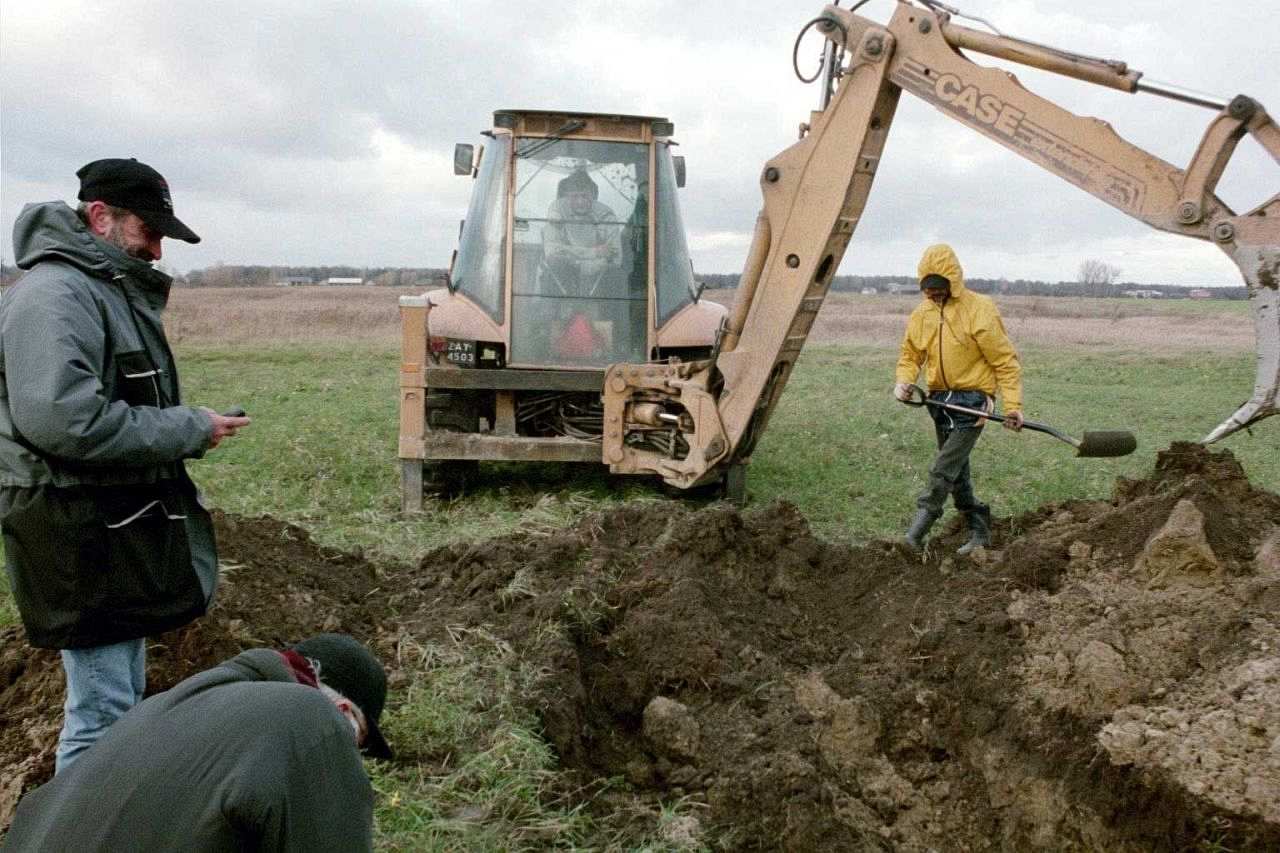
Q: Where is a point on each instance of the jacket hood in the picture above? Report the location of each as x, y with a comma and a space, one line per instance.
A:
52, 231
941, 260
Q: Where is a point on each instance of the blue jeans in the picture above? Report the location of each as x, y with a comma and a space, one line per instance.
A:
103, 683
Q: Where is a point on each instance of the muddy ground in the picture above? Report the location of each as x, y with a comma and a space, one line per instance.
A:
1107, 676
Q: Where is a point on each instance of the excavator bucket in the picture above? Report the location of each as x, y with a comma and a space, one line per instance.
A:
1263, 276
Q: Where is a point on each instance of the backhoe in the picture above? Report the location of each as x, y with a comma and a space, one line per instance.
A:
693, 417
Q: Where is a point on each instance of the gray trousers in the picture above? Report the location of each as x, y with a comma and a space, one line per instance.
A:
949, 474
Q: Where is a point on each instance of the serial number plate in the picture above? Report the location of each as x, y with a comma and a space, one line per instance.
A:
461, 353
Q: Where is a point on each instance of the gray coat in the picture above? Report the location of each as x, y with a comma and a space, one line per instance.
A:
103, 531
239, 757
76, 403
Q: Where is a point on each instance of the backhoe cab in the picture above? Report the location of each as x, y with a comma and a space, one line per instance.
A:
572, 258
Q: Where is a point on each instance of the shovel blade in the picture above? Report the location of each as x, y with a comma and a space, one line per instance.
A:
1100, 443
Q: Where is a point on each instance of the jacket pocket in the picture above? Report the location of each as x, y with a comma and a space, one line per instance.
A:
137, 379
98, 565
147, 568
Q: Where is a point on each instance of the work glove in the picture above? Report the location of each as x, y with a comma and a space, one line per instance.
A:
902, 391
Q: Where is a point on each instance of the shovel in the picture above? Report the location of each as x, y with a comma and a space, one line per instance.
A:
1098, 443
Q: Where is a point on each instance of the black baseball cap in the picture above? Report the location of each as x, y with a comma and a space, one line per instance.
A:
137, 188
347, 665
934, 281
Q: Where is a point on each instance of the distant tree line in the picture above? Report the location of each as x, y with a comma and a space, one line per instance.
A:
231, 275
1021, 286
1098, 281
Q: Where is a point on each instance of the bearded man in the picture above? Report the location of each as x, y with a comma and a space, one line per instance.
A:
105, 539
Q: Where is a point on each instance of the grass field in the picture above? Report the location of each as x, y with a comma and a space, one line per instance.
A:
321, 452
838, 446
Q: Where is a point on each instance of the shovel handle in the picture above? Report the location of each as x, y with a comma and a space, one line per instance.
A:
919, 398
1094, 444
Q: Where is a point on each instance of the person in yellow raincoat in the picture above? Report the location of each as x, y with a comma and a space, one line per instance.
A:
958, 337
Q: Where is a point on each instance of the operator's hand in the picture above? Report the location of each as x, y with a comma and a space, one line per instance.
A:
1013, 421
223, 426
902, 391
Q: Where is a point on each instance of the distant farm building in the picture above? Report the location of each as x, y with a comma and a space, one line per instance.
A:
294, 280
1144, 294
902, 287
1200, 293
869, 291
337, 280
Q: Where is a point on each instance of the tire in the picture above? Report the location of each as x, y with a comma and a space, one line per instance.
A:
449, 478
447, 412
452, 412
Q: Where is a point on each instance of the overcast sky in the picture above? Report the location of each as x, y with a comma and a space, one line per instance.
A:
313, 132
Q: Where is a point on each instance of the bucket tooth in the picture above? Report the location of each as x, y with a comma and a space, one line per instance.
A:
1263, 403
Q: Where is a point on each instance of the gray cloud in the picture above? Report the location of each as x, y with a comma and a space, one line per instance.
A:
320, 132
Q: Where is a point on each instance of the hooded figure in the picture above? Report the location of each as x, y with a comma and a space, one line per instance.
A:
581, 236
578, 181
958, 337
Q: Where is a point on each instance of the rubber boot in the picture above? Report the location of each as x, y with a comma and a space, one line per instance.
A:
979, 531
919, 529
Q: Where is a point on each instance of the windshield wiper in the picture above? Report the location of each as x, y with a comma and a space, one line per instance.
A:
564, 130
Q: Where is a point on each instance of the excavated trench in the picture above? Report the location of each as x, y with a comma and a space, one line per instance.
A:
1106, 677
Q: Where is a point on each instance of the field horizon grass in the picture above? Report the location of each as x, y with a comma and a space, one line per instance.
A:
321, 453
316, 369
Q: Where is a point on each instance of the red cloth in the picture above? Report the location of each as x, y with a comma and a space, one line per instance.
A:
579, 340
301, 667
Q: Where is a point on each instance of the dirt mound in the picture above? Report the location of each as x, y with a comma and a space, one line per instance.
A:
1106, 678
277, 587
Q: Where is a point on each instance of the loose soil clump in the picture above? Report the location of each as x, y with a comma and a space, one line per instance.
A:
1106, 677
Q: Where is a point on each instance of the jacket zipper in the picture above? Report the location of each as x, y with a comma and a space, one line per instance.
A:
942, 327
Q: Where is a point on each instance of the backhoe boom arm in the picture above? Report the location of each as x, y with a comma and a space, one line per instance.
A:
815, 191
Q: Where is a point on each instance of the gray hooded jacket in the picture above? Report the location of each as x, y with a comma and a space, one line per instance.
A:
88, 387
104, 535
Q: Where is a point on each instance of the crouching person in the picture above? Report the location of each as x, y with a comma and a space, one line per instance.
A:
259, 753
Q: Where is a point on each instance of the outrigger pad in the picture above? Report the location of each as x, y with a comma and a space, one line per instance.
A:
1107, 443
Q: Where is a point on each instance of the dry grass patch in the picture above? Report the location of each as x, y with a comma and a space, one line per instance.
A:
284, 315
293, 315
1162, 328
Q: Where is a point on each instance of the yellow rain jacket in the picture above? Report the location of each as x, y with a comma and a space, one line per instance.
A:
962, 344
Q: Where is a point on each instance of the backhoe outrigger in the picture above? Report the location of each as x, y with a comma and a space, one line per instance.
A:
814, 193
